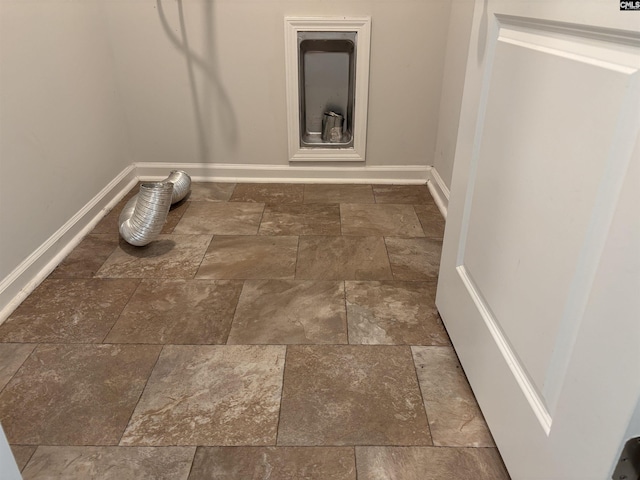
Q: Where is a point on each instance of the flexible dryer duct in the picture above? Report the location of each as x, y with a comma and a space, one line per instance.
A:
143, 216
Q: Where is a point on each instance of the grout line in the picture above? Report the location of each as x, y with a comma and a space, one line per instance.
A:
233, 316
193, 460
424, 406
140, 396
295, 267
35, 346
355, 460
140, 280
284, 368
346, 310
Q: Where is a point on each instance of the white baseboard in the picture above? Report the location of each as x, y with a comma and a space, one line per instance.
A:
246, 173
438, 190
36, 267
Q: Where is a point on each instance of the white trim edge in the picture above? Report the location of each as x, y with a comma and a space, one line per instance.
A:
16, 286
511, 359
219, 172
439, 191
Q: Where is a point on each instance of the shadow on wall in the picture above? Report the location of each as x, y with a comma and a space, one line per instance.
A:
212, 87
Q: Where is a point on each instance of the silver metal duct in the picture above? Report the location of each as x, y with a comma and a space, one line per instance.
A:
143, 217
181, 184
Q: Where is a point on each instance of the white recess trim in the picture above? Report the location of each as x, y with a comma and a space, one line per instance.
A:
439, 190
16, 286
247, 173
360, 25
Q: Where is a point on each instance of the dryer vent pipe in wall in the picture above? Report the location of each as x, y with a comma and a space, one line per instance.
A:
143, 216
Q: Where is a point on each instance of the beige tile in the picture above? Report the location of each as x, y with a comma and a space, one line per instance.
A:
342, 258
290, 311
22, 454
170, 256
220, 218
414, 258
178, 312
75, 394
12, 356
372, 220
407, 194
318, 193
268, 193
351, 395
85, 260
274, 463
210, 395
429, 463
300, 219
251, 256
69, 311
431, 220
393, 313
110, 463
210, 192
454, 415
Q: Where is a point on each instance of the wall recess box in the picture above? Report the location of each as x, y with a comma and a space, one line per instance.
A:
327, 69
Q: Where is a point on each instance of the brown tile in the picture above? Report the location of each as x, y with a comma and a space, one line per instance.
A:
454, 415
407, 194
393, 313
170, 256
429, 463
68, 311
22, 454
75, 394
12, 356
342, 258
110, 463
85, 260
221, 218
174, 216
275, 463
290, 311
178, 312
371, 220
244, 257
414, 258
319, 193
108, 225
351, 395
210, 192
268, 193
210, 395
431, 220
300, 219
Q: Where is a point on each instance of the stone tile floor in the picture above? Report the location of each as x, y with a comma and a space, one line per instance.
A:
272, 331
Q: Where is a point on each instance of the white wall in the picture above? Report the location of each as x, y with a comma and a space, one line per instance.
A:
452, 87
241, 101
62, 131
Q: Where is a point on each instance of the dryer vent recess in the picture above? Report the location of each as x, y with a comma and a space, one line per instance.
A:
327, 75
143, 216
